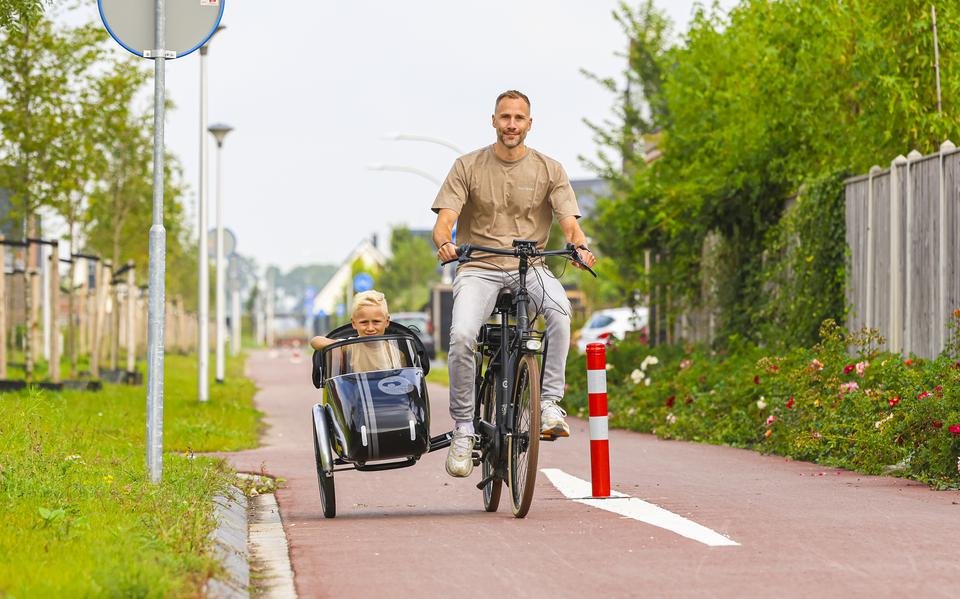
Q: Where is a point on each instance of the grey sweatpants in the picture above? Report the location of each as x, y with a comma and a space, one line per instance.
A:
474, 296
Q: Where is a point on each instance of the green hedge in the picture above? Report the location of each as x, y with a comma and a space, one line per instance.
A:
805, 268
865, 409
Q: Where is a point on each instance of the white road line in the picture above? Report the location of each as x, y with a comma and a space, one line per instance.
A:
579, 490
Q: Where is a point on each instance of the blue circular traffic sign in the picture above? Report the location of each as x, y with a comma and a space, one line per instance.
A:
362, 282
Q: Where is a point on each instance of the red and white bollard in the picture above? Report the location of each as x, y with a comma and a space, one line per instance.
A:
599, 436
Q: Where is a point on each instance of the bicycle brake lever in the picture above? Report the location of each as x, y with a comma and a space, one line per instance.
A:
463, 255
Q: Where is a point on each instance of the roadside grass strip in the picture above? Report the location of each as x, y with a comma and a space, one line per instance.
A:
631, 507
439, 374
78, 515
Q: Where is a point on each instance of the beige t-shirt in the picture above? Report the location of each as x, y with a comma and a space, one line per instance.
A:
499, 201
374, 355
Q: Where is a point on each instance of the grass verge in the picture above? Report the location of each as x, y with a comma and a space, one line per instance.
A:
79, 515
439, 374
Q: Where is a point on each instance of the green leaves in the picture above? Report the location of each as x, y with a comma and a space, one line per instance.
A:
14, 11
752, 105
51, 516
872, 411
73, 140
406, 277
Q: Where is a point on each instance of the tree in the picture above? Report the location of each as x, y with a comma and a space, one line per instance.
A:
297, 280
639, 115
43, 72
119, 214
759, 102
16, 11
407, 275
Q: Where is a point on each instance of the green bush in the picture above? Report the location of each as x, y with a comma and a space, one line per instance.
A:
842, 402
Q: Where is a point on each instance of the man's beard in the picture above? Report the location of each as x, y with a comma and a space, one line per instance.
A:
519, 137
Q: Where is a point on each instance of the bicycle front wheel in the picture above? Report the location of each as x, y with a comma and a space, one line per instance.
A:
525, 441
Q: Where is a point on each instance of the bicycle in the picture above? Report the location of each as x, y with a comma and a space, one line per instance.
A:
507, 392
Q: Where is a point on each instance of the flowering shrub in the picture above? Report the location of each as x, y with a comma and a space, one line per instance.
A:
842, 402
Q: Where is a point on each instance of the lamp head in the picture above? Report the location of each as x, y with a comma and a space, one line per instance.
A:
203, 48
219, 131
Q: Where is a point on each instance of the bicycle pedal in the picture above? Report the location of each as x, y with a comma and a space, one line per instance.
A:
483, 482
476, 458
548, 437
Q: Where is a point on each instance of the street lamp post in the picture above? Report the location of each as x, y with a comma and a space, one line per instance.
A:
235, 325
219, 132
426, 138
404, 169
203, 266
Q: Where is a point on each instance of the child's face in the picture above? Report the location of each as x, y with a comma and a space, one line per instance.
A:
370, 320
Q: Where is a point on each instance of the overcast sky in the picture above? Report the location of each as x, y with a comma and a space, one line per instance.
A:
311, 87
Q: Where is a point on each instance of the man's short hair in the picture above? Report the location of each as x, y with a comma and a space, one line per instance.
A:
512, 94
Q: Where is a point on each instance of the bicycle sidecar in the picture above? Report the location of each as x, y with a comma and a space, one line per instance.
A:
375, 413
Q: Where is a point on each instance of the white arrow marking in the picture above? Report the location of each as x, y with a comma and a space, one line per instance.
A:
579, 490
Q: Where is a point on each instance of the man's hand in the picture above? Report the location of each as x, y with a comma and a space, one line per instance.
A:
587, 256
447, 252
573, 234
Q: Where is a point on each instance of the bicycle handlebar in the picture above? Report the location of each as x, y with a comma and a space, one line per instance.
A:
465, 251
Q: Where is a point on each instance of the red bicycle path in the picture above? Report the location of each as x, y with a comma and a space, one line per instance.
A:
803, 530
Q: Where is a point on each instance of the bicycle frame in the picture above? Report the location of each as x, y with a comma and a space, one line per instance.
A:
495, 436
500, 373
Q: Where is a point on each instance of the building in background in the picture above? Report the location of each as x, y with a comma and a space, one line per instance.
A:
331, 302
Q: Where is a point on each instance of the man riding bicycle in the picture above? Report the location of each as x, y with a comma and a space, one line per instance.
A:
495, 195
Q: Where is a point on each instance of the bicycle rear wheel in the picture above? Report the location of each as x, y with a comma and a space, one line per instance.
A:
525, 441
491, 459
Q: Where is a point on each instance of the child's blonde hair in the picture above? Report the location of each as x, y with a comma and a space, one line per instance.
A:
369, 298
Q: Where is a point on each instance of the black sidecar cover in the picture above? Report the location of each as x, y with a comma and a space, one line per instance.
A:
376, 397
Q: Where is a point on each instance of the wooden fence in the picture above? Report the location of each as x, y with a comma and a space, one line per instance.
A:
903, 230
82, 308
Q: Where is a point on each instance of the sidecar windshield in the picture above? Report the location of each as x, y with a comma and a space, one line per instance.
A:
369, 354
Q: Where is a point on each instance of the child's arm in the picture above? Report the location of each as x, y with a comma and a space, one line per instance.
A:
320, 342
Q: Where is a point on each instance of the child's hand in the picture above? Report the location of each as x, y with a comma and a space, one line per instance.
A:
320, 342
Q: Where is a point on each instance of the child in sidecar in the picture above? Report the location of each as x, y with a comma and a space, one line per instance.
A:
369, 316
375, 404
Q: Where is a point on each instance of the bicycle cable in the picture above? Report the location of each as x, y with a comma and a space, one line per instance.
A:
514, 278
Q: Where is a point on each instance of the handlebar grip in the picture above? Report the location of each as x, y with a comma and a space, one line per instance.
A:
575, 256
461, 250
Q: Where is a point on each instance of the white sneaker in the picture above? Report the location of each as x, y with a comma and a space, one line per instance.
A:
460, 455
552, 424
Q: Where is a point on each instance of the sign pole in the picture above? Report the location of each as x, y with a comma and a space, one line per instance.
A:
203, 266
191, 25
158, 252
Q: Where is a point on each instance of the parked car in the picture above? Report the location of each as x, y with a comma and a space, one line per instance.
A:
420, 323
605, 326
